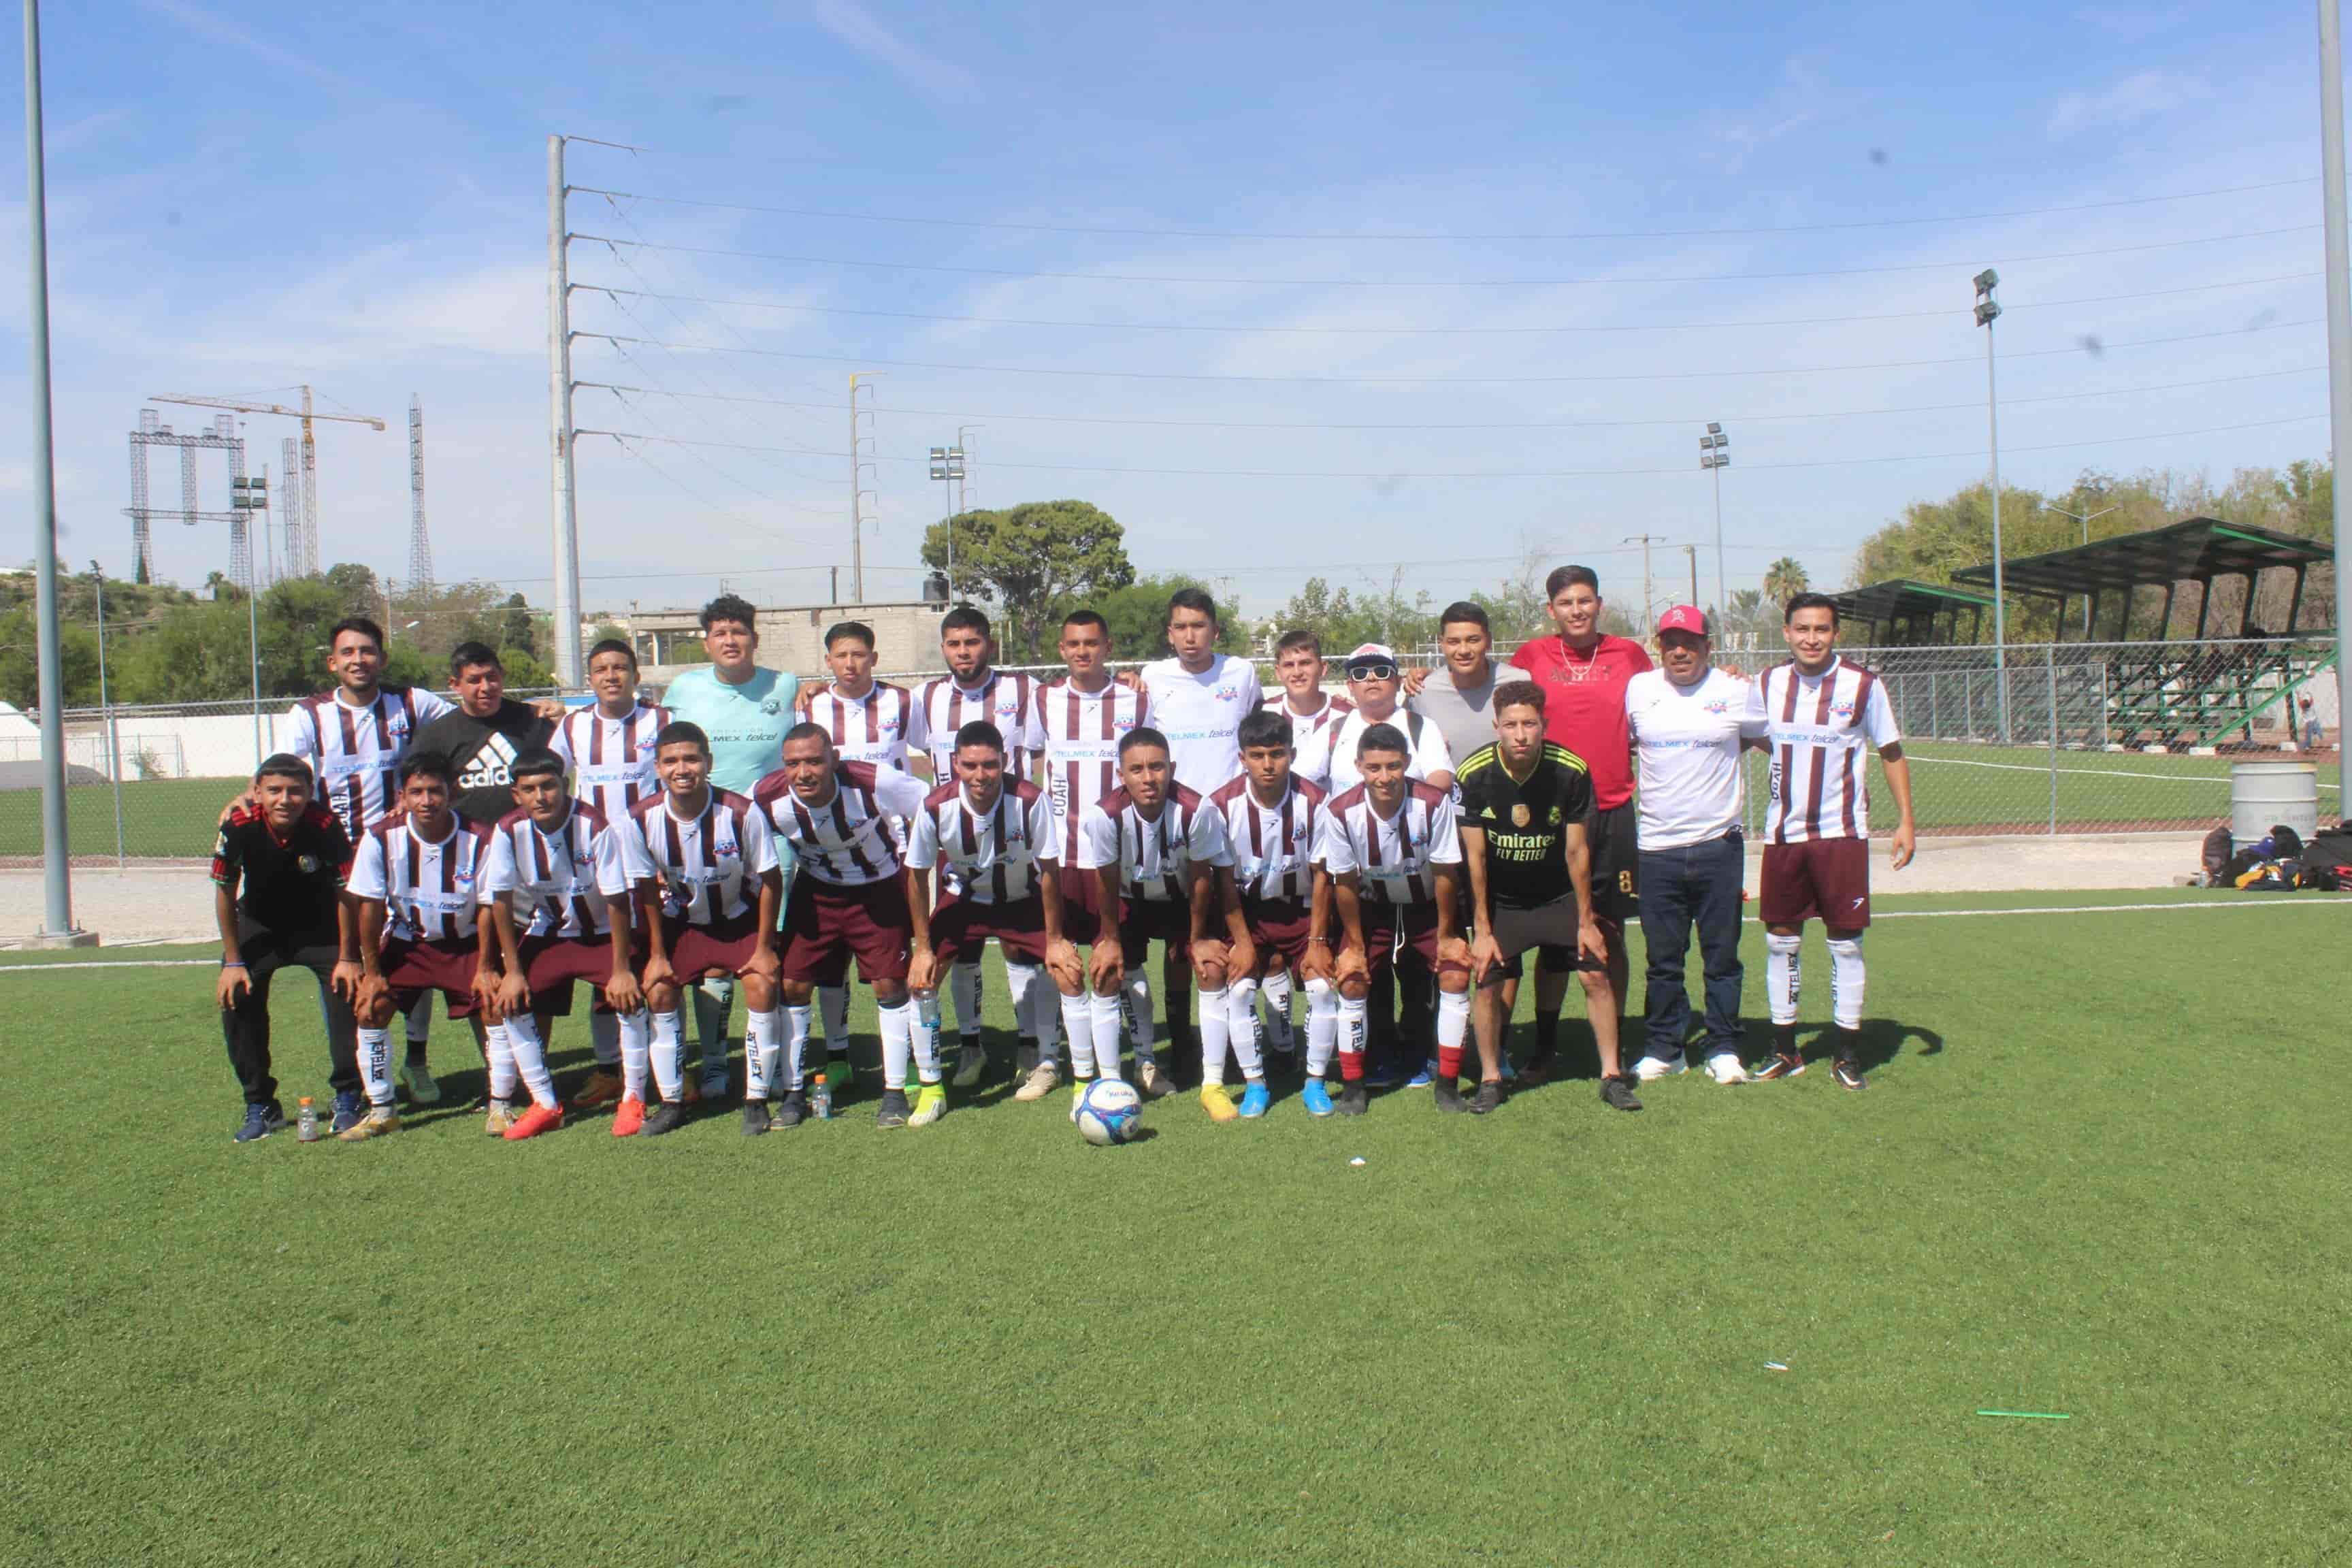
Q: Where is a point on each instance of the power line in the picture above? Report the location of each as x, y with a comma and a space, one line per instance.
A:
1437, 380
1445, 282
927, 221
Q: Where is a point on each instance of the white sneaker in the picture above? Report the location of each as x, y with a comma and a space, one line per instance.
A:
1153, 1080
1041, 1082
1724, 1067
971, 1060
1649, 1069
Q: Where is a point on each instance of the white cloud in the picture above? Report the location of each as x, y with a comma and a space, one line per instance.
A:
854, 26
2134, 98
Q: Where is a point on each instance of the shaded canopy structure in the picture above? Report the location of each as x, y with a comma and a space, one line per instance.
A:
1904, 613
2107, 572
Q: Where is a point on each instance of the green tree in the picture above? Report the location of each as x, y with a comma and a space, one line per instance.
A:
1785, 579
356, 589
1137, 615
524, 670
1029, 559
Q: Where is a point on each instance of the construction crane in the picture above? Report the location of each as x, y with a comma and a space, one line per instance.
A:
307, 521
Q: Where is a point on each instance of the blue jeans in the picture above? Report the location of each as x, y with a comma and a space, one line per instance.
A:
1697, 884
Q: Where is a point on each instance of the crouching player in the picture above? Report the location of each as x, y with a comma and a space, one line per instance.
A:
848, 900
415, 878
1393, 854
703, 861
1153, 845
562, 864
994, 844
1270, 821
278, 882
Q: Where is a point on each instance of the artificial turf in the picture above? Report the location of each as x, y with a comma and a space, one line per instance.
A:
2100, 1171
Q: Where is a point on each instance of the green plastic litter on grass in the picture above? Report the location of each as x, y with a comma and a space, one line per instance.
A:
2028, 1415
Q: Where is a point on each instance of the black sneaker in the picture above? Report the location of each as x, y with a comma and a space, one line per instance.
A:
1617, 1093
1780, 1064
666, 1117
1352, 1100
755, 1117
1488, 1098
348, 1112
1448, 1093
1848, 1073
790, 1110
892, 1111
262, 1120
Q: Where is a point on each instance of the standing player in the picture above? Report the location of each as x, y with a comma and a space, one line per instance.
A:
872, 721
1270, 822
1525, 803
743, 711
1151, 844
1583, 675
709, 892
848, 901
974, 688
415, 878
278, 882
1298, 666
563, 865
1393, 855
1818, 713
609, 747
995, 843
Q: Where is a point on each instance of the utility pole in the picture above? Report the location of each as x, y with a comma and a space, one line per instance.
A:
857, 466
2339, 343
1645, 541
1988, 311
561, 503
1692, 550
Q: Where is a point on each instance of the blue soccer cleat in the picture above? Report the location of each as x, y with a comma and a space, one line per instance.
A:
1255, 1100
1315, 1098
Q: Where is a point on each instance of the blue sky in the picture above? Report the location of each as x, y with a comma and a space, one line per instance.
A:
1390, 294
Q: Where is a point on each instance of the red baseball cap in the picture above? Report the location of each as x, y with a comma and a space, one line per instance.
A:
1683, 618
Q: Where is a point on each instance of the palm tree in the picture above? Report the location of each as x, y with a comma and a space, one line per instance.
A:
1784, 580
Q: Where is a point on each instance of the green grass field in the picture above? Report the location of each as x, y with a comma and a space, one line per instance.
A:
161, 819
1960, 785
2099, 1171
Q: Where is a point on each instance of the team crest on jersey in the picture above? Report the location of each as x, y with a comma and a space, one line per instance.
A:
463, 878
582, 861
772, 706
1553, 820
306, 864
1718, 707
1520, 815
1227, 693
1842, 709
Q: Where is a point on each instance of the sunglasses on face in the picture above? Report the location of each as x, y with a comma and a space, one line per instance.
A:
1372, 672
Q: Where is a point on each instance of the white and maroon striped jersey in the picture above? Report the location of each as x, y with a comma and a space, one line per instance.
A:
356, 751
1083, 730
885, 726
1820, 730
1395, 859
429, 891
989, 858
1154, 857
557, 881
849, 840
1334, 709
709, 865
1007, 698
611, 760
1328, 757
1272, 847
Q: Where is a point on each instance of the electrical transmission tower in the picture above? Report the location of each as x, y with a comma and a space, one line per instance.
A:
420, 544
307, 532
222, 437
297, 537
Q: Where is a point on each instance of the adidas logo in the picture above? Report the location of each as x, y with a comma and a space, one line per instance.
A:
490, 767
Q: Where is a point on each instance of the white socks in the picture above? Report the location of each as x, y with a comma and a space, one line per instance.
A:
1277, 990
1452, 1019
901, 1038
1109, 1020
1322, 1026
636, 1034
1078, 1022
605, 1038
797, 1037
1845, 983
497, 1049
1216, 1024
1029, 1013
834, 1002
1135, 993
1242, 1009
963, 989
526, 1054
668, 1055
375, 1066
760, 1053
1783, 974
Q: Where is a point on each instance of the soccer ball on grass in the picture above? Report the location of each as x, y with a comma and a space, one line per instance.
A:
1110, 1112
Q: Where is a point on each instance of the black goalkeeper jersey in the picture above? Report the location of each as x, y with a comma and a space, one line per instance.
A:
1525, 822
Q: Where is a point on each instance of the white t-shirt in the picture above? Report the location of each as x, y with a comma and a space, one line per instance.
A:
1201, 716
1328, 757
1686, 755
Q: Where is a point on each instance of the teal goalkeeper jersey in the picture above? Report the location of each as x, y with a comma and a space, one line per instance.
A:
746, 724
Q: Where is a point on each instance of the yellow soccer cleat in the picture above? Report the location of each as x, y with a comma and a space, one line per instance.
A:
379, 1121
1218, 1103
930, 1104
501, 1117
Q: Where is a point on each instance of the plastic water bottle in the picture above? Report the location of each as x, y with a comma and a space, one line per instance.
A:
306, 1121
821, 1098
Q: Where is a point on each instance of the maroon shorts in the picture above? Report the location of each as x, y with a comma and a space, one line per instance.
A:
723, 947
1279, 928
825, 926
1081, 905
1140, 920
1391, 930
961, 927
551, 964
413, 968
1827, 880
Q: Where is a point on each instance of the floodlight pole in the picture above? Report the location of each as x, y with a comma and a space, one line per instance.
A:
2339, 342
1715, 455
2084, 519
1988, 311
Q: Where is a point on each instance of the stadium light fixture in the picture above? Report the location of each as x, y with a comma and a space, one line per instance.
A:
947, 468
1715, 455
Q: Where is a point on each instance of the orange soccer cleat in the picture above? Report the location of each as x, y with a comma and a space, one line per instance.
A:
629, 1117
539, 1119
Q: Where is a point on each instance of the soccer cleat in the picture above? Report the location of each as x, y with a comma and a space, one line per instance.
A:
1353, 1100
790, 1110
1425, 1077
417, 1078
502, 1117
1649, 1069
1041, 1082
628, 1117
1382, 1077
666, 1117
970, 1062
347, 1110
379, 1121
1315, 1098
892, 1112
756, 1119
1079, 1095
1488, 1098
260, 1121
1724, 1067
714, 1081
1848, 1073
1781, 1065
1153, 1079
1617, 1093
1449, 1095
535, 1119
602, 1089
930, 1104
1256, 1100
1217, 1102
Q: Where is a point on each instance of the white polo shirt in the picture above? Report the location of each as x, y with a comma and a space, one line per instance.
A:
1686, 755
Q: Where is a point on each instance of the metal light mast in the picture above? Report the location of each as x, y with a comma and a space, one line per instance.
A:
420, 545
